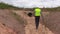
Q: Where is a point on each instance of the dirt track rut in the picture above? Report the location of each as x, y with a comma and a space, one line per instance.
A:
30, 27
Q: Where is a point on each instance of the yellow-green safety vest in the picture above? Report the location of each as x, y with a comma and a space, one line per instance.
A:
37, 12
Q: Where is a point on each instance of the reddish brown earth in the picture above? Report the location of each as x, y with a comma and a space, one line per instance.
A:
53, 22
49, 23
30, 26
6, 30
11, 24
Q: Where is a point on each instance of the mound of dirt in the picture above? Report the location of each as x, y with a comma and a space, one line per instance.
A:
6, 30
23, 24
49, 22
30, 26
10, 22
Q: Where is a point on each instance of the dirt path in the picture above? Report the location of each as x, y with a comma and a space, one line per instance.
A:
30, 27
52, 23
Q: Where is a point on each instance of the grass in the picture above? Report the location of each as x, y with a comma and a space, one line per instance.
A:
7, 6
52, 9
18, 18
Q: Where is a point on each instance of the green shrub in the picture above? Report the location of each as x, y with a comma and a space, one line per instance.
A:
7, 6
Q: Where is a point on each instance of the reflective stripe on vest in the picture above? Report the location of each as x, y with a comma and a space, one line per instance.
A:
37, 12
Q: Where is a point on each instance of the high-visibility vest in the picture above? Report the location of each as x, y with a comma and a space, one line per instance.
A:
37, 12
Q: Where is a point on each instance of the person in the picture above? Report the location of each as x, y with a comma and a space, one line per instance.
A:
37, 12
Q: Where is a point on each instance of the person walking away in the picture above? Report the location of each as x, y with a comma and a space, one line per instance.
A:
37, 12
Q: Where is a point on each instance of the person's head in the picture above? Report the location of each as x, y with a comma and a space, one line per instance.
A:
36, 8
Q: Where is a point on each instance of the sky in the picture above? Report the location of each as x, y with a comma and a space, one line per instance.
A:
33, 3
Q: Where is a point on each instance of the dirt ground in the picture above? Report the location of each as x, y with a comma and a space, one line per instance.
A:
30, 27
49, 22
10, 22
53, 22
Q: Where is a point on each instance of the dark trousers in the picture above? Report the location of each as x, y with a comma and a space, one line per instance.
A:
37, 19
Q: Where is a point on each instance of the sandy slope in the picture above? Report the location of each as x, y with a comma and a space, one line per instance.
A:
6, 30
30, 27
10, 22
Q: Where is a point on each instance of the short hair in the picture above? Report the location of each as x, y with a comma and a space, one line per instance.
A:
35, 8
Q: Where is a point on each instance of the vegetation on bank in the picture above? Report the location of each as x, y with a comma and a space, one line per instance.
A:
7, 6
18, 17
53, 9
